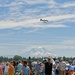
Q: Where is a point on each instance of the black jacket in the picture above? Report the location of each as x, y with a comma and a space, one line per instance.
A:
48, 68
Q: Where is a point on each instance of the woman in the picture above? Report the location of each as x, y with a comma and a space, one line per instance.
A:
48, 66
25, 69
11, 68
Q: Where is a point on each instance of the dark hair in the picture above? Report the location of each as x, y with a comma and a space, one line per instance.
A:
6, 64
29, 57
13, 63
25, 62
19, 61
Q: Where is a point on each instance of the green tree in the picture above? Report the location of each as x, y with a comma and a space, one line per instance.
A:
17, 57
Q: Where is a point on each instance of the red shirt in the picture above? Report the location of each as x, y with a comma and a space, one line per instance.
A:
0, 67
1, 73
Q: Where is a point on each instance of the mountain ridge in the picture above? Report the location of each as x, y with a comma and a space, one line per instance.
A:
38, 52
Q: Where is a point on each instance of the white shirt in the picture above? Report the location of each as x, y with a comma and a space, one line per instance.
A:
6, 69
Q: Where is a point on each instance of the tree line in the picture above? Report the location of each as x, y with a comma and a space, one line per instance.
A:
17, 57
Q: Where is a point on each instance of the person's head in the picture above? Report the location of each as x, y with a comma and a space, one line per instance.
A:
25, 62
40, 64
19, 61
61, 59
29, 57
12, 63
57, 61
6, 64
49, 59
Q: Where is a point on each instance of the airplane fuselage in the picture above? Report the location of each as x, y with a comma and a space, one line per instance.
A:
44, 20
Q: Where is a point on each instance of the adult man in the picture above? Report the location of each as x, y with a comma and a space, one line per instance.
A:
25, 69
19, 66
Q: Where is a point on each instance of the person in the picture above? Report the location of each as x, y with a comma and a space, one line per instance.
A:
1, 72
37, 68
62, 67
54, 66
25, 69
71, 70
29, 62
73, 73
6, 69
30, 65
41, 69
48, 66
11, 68
57, 68
19, 66
2, 65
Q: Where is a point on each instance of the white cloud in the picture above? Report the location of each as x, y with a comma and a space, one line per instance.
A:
69, 42
16, 6
11, 4
68, 4
39, 1
26, 24
36, 23
62, 45
60, 17
31, 2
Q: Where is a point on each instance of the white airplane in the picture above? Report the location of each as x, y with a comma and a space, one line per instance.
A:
43, 20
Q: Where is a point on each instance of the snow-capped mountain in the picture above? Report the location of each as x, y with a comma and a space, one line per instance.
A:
38, 52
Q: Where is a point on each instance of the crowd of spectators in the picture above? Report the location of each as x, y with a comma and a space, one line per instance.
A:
47, 66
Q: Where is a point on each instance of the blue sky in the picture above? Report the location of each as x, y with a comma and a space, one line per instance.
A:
21, 28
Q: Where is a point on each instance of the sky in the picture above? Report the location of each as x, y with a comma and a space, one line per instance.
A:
21, 28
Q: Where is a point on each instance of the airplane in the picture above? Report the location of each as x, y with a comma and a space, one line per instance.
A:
12, 19
43, 20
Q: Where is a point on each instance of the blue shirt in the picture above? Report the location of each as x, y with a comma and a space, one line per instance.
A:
25, 69
37, 67
72, 68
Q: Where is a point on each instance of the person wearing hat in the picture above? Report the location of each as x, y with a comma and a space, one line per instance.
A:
48, 66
